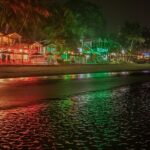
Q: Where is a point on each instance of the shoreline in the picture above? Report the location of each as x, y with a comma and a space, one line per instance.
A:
12, 71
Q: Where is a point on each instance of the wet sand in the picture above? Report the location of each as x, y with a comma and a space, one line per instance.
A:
99, 111
115, 119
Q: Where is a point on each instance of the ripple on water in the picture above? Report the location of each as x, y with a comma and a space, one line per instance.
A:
112, 119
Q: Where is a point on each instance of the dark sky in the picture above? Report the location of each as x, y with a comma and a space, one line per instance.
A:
116, 12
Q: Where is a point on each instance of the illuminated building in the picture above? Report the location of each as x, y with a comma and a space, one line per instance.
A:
14, 50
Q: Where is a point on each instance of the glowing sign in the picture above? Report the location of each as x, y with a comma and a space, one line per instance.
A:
102, 50
146, 54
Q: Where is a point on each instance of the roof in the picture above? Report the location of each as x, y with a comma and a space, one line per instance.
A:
36, 43
14, 35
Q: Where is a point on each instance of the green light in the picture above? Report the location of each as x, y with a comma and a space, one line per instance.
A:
100, 75
102, 50
69, 76
64, 56
66, 104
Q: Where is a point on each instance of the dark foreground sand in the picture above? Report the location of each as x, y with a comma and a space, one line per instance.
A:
7, 71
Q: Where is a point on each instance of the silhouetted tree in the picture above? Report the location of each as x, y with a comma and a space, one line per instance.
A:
131, 36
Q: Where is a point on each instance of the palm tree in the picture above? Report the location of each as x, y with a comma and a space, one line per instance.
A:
131, 33
132, 38
20, 14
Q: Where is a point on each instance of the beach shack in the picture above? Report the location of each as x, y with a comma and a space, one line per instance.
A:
19, 55
36, 54
6, 41
51, 53
12, 50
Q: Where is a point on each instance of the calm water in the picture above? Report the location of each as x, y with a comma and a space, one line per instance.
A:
102, 111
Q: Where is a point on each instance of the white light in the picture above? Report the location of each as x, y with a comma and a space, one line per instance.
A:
123, 51
80, 50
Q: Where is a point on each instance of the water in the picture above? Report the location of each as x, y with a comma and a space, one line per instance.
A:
108, 111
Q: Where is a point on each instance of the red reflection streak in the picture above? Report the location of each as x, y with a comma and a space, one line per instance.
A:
19, 123
19, 80
16, 92
24, 126
33, 109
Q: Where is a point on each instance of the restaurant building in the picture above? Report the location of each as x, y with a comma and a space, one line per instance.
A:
15, 50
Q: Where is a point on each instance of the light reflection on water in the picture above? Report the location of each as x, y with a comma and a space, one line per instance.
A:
146, 71
95, 75
109, 119
70, 76
19, 80
66, 77
28, 90
95, 116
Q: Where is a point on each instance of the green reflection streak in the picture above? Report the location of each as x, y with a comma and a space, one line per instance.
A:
98, 115
89, 117
102, 74
69, 77
65, 104
88, 75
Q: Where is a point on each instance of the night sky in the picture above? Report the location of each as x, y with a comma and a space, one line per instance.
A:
116, 12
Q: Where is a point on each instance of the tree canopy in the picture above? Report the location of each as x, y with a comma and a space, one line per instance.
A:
72, 21
131, 36
19, 15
